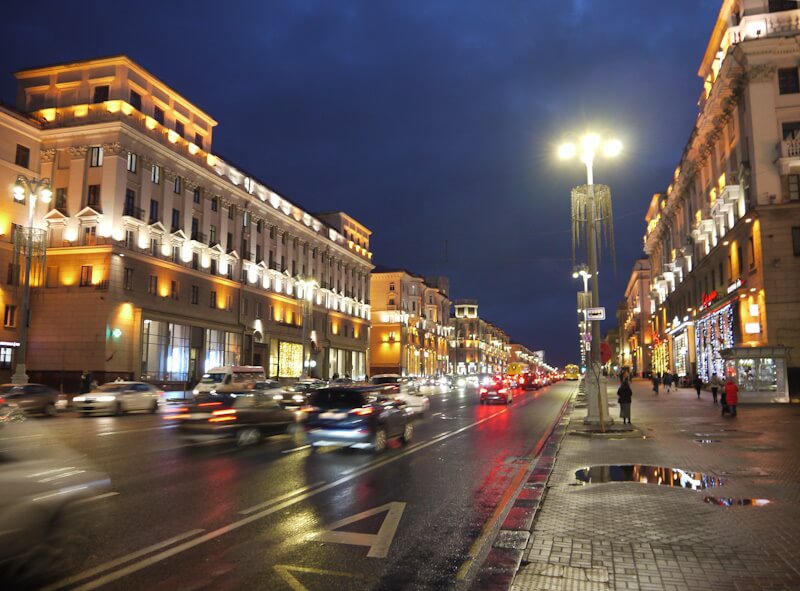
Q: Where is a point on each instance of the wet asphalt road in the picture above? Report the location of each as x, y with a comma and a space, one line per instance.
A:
188, 516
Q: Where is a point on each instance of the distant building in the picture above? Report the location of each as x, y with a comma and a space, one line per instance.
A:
410, 324
163, 260
477, 346
635, 328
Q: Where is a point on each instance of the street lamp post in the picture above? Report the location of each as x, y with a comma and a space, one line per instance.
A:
27, 189
307, 286
582, 271
586, 150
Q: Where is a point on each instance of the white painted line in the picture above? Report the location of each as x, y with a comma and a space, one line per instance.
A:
436, 414
104, 433
294, 449
288, 495
440, 435
122, 560
378, 543
160, 557
98, 497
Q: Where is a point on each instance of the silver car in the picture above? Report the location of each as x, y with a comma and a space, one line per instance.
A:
118, 398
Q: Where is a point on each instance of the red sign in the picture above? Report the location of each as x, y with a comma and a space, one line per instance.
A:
708, 299
605, 352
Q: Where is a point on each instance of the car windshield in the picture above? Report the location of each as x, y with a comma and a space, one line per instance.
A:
212, 378
384, 380
113, 387
12, 389
338, 399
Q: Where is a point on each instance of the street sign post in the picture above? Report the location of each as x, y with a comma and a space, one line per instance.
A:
595, 313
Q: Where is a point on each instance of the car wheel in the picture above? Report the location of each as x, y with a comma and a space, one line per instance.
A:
247, 436
379, 441
408, 433
154, 407
50, 409
118, 410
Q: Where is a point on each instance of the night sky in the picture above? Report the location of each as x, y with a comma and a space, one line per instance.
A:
433, 122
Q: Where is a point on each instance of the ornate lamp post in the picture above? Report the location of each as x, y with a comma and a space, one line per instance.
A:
589, 204
584, 302
306, 297
27, 190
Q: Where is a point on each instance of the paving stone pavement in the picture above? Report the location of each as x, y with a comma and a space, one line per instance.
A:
632, 535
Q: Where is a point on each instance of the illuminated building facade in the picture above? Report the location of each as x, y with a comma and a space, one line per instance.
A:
724, 239
410, 324
477, 346
163, 259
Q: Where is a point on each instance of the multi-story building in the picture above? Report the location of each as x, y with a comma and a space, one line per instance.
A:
521, 354
635, 326
163, 259
477, 346
410, 323
724, 239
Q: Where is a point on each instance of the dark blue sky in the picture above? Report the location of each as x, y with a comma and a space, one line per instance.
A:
433, 122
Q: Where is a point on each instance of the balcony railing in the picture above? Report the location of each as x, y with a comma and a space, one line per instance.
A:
756, 26
199, 237
133, 212
790, 148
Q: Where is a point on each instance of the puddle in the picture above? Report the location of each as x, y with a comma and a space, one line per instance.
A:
658, 475
705, 441
732, 502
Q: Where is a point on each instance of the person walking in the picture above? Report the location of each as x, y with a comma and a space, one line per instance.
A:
656, 383
667, 380
715, 384
731, 397
675, 380
624, 394
86, 382
698, 385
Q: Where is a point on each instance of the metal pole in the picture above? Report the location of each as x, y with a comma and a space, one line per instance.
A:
20, 374
303, 371
594, 362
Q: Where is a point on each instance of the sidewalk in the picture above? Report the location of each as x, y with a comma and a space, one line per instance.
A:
631, 535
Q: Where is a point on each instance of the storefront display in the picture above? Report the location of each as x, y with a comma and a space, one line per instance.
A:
760, 373
713, 333
680, 344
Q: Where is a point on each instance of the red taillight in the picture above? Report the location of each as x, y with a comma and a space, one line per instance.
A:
503, 391
210, 404
2, 400
221, 416
367, 410
309, 408
483, 390
173, 417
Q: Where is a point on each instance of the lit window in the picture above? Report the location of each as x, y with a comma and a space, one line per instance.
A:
10, 317
155, 174
132, 161
86, 275
95, 156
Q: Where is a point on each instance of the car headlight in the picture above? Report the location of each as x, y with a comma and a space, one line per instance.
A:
106, 398
79, 399
298, 398
277, 396
195, 391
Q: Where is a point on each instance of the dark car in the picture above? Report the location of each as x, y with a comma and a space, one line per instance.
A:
31, 398
496, 390
245, 416
362, 417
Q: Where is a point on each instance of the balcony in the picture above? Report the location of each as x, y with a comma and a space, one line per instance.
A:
199, 237
758, 26
789, 160
133, 212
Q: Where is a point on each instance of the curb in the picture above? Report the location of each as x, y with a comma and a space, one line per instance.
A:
500, 566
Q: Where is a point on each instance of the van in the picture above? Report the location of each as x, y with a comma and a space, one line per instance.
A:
231, 377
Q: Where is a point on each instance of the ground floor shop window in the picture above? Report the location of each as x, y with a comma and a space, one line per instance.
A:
286, 361
681, 354
222, 348
6, 354
713, 333
755, 375
165, 351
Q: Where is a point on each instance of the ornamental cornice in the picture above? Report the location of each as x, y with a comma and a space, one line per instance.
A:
190, 186
76, 152
114, 149
761, 73
169, 174
47, 155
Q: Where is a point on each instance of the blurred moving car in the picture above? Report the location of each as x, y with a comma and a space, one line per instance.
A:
496, 391
341, 381
231, 378
118, 398
32, 398
296, 395
245, 416
363, 417
405, 389
43, 510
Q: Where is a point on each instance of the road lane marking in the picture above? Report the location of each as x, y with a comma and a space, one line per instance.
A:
170, 552
288, 495
294, 449
113, 493
121, 560
378, 543
285, 572
104, 433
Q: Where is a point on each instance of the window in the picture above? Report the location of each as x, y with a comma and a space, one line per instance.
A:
195, 260
231, 212
153, 211
195, 229
5, 357
214, 203
154, 250
741, 259
796, 241
794, 187
86, 275
100, 94
152, 285
198, 140
136, 100
791, 130
392, 301
213, 268
179, 128
174, 290
751, 252
177, 184
391, 287
258, 252
212, 235
245, 218
272, 232
10, 317
155, 174
129, 239
176, 254
130, 203
195, 294
93, 197
788, 81
176, 220
258, 310
229, 243
133, 160
196, 195
228, 303
127, 282
212, 299
61, 200
248, 184
95, 156
158, 114
23, 156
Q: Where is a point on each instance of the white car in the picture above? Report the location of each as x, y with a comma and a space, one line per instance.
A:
404, 389
118, 398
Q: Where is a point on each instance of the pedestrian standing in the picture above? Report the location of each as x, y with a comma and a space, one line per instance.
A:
731, 397
667, 380
698, 385
624, 394
675, 380
656, 383
715, 384
86, 382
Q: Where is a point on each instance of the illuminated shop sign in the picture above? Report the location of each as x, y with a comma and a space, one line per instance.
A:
735, 285
708, 299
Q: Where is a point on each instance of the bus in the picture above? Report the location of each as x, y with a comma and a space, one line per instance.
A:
572, 372
516, 368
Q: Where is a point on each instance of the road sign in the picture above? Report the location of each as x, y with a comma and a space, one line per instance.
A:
595, 313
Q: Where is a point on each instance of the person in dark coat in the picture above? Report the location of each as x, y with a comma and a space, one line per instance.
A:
667, 380
86, 382
656, 383
698, 385
624, 394
676, 380
715, 384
